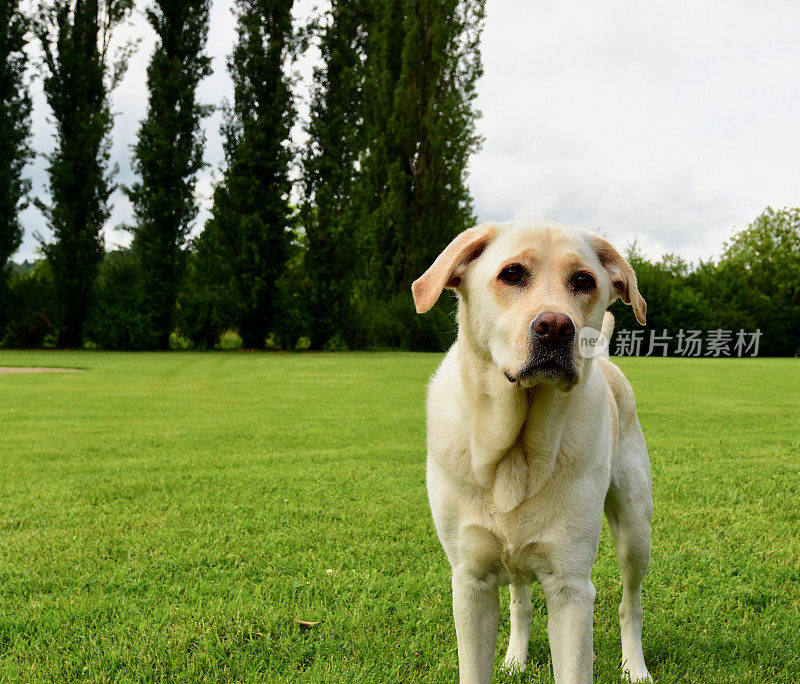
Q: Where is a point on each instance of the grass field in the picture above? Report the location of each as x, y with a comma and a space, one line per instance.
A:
167, 516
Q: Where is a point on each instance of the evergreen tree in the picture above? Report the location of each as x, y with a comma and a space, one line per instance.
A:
381, 149
424, 65
15, 109
330, 169
169, 154
80, 73
252, 216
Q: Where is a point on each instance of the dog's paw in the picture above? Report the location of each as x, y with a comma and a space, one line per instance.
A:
514, 664
636, 674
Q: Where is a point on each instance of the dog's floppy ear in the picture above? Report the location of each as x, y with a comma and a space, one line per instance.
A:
622, 277
450, 265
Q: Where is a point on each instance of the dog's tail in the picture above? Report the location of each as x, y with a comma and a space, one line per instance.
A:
607, 329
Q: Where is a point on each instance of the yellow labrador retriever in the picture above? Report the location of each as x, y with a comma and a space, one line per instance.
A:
529, 440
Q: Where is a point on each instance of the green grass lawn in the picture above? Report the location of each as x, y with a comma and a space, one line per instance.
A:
167, 516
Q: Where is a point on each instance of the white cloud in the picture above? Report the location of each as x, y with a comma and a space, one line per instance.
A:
671, 124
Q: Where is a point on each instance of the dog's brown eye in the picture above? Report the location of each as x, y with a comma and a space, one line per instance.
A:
512, 274
583, 282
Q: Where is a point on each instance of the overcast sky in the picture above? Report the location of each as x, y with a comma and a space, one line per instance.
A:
669, 123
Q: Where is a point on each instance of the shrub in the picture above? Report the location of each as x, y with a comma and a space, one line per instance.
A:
336, 343
272, 343
230, 340
31, 312
119, 318
205, 306
395, 324
178, 342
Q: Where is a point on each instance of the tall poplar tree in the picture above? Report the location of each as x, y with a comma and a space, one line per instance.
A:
80, 74
169, 154
249, 230
424, 65
15, 110
330, 166
381, 148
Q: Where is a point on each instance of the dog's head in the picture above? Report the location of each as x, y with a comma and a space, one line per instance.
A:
527, 289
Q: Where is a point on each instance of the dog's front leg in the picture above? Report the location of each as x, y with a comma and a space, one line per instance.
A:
476, 609
570, 603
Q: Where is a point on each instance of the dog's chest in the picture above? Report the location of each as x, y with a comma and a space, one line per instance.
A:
524, 507
526, 469
516, 545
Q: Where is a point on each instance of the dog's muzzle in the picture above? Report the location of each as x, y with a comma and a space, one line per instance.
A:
552, 357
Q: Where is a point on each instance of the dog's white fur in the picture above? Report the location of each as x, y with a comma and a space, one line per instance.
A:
520, 469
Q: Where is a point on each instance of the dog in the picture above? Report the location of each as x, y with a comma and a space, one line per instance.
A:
529, 441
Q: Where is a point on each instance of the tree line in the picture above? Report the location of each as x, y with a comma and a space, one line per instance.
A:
313, 246
753, 286
318, 242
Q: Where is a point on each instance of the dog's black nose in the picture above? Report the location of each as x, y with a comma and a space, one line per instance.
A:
553, 329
